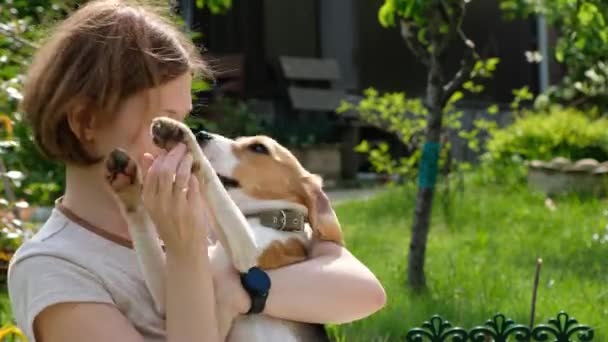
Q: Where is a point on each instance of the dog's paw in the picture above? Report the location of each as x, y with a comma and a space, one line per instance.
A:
167, 132
123, 177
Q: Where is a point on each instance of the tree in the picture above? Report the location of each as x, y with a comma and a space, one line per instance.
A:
428, 28
581, 47
22, 25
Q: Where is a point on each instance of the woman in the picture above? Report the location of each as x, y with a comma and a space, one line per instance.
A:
95, 85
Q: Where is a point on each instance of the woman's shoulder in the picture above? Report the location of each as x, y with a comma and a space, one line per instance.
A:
68, 262
62, 238
44, 272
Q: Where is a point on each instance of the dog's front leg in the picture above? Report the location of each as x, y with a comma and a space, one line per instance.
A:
232, 228
125, 180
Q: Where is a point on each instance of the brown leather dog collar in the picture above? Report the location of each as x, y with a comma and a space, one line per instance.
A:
282, 219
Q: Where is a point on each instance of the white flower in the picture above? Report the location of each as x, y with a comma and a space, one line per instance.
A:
13, 235
15, 175
14, 93
534, 56
22, 205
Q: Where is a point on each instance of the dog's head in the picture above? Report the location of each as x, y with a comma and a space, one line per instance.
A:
260, 174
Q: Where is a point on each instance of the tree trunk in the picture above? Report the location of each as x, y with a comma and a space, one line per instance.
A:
437, 95
427, 177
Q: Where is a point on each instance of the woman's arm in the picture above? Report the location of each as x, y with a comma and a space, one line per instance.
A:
331, 287
190, 298
190, 309
173, 200
91, 322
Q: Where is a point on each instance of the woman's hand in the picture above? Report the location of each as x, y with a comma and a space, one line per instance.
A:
175, 204
173, 199
230, 296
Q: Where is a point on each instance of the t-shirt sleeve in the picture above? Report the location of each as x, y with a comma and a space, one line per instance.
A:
37, 282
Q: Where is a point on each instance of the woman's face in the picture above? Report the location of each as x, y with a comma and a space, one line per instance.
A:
131, 128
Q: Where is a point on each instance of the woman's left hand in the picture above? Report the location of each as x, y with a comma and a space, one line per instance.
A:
231, 299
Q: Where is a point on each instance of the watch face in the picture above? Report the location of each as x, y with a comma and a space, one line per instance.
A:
257, 280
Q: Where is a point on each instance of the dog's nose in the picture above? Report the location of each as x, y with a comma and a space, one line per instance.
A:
202, 137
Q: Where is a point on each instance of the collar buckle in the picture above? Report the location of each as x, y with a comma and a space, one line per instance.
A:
283, 220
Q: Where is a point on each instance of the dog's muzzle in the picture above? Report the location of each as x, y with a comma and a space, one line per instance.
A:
202, 138
228, 182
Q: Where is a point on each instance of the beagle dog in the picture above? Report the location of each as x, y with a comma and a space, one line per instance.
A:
267, 208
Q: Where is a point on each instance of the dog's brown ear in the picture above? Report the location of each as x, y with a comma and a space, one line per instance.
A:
323, 219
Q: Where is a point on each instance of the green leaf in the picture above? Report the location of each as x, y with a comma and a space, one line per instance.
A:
559, 55
200, 85
491, 63
363, 147
422, 35
587, 13
493, 109
386, 14
457, 96
523, 93
604, 35
581, 43
410, 9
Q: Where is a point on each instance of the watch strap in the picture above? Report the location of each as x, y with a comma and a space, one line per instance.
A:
258, 303
258, 300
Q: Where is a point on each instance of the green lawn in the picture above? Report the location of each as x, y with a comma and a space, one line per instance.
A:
482, 259
479, 261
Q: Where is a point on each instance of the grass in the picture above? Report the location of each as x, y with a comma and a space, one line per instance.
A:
5, 308
481, 258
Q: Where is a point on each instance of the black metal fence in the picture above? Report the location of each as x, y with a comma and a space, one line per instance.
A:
499, 328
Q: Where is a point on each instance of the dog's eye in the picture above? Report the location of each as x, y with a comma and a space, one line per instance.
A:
258, 148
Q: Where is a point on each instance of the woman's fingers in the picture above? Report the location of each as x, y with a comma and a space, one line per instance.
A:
146, 163
151, 177
173, 197
182, 176
168, 169
194, 194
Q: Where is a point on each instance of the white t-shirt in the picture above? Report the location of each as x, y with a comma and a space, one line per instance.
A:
69, 260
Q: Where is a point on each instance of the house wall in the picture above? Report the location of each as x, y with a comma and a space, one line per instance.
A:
369, 55
339, 29
384, 61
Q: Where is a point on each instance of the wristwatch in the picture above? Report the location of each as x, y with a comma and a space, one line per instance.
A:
257, 284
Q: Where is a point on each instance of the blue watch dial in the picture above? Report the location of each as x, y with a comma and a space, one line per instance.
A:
257, 281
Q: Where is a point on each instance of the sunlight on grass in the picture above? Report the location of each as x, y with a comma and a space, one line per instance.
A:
481, 259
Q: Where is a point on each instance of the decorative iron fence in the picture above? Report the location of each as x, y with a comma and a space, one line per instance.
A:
499, 328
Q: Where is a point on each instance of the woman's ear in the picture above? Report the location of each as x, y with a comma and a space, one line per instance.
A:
81, 123
323, 219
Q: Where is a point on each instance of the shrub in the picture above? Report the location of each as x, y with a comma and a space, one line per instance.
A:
22, 25
229, 117
565, 132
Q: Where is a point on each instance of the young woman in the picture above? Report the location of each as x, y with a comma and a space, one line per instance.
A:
96, 84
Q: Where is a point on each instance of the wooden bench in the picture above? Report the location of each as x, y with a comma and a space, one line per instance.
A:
310, 85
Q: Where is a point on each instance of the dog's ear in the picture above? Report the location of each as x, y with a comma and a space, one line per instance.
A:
323, 219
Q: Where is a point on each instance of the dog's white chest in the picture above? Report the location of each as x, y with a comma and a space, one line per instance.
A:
265, 236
